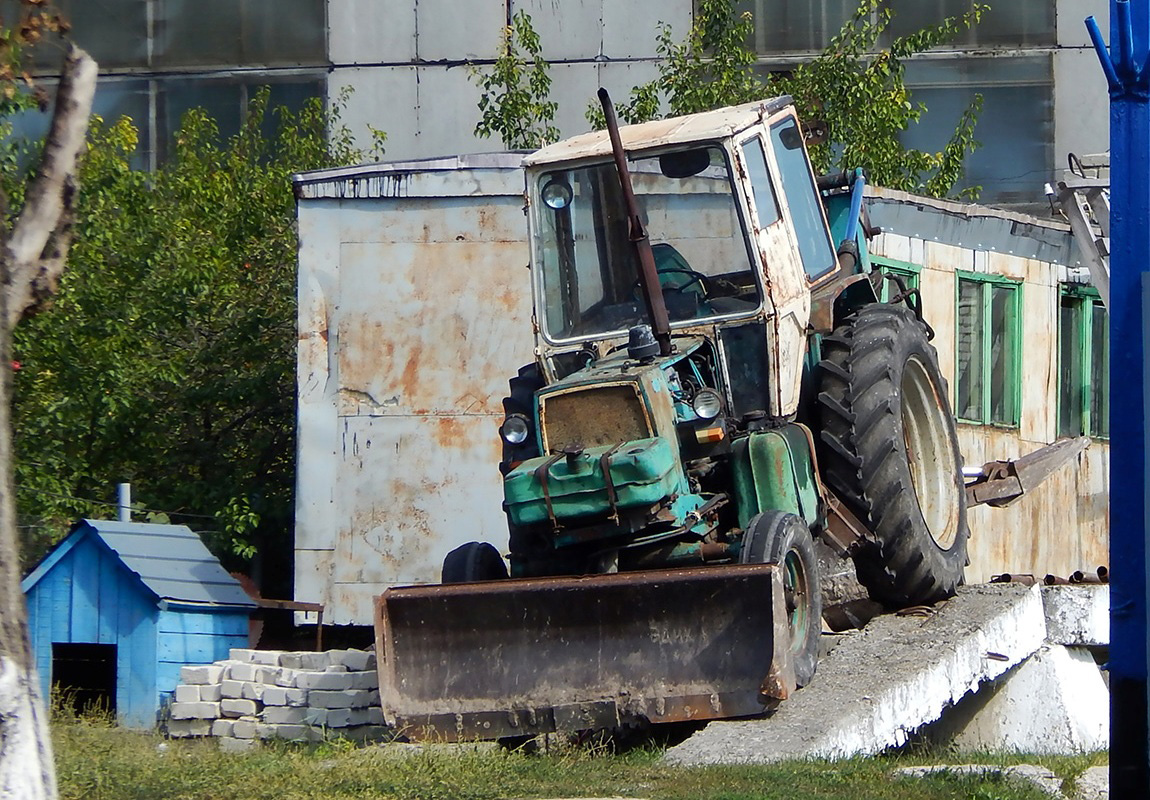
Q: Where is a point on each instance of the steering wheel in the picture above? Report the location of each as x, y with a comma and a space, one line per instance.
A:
695, 277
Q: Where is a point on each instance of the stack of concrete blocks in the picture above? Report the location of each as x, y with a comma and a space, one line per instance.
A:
271, 694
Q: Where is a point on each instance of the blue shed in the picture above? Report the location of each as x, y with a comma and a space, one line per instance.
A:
117, 608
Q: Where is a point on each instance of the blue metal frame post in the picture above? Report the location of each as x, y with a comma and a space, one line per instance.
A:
1127, 70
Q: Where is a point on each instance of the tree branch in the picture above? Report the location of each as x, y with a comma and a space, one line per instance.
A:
36, 251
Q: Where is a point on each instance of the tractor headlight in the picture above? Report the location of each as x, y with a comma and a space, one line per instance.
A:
556, 194
707, 404
514, 429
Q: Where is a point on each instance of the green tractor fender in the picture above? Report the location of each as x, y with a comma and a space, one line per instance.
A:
775, 470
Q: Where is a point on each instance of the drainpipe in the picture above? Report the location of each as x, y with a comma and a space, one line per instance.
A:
124, 500
1127, 71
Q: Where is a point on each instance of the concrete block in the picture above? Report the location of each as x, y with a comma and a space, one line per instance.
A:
326, 681
245, 728
230, 745
230, 688
365, 680
296, 697
194, 710
351, 698
316, 662
358, 716
1093, 784
253, 691
269, 658
287, 676
222, 727
1054, 703
199, 675
883, 683
185, 728
338, 717
293, 733
274, 696
240, 654
337, 668
253, 673
187, 694
210, 692
316, 717
1077, 615
355, 660
285, 715
231, 707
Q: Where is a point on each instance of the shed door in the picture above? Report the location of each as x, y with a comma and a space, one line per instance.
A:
84, 675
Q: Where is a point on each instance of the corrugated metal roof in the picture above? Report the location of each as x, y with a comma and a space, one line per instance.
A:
693, 127
171, 560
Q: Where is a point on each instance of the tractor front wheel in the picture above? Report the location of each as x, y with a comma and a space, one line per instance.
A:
784, 539
473, 562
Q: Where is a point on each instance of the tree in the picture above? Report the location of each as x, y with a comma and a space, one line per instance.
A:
168, 358
856, 86
514, 102
33, 248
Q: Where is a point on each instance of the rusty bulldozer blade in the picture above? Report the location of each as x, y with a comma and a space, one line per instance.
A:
522, 657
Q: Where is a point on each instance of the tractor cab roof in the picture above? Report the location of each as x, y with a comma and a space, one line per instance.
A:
707, 125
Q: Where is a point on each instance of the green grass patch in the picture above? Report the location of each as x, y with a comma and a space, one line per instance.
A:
98, 761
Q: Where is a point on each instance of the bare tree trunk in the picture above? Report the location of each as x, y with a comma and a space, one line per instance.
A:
30, 267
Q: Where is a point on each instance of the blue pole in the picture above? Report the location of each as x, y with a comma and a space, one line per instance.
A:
1127, 76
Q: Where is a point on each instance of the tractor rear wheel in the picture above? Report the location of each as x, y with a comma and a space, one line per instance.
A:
889, 451
473, 562
784, 539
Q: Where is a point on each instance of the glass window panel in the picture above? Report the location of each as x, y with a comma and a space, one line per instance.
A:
1016, 22
968, 348
765, 205
1002, 355
239, 32
795, 25
1100, 371
1070, 367
221, 99
114, 32
1016, 126
802, 199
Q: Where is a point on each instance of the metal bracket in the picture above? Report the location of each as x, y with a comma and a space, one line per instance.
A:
1003, 482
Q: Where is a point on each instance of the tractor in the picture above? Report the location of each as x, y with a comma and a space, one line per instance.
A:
716, 386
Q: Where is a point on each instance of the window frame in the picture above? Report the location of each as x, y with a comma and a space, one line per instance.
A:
909, 272
1013, 364
1088, 297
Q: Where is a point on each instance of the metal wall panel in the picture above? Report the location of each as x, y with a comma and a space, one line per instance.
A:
447, 112
371, 31
385, 98
569, 30
629, 29
447, 30
414, 312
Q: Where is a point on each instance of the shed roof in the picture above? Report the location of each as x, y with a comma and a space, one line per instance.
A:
170, 560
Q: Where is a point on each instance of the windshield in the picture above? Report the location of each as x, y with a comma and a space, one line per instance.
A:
589, 271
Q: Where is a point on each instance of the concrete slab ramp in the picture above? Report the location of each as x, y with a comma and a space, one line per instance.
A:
882, 683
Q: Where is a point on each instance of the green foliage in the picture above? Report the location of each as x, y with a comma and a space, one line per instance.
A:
858, 89
856, 86
168, 358
514, 102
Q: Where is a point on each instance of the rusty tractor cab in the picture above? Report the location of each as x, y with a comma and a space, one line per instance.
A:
716, 384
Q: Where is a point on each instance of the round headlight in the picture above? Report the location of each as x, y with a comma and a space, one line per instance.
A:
707, 404
514, 429
557, 194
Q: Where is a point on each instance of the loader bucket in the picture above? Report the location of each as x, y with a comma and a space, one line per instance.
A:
522, 657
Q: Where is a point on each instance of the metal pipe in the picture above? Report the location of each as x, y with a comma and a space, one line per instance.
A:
648, 275
124, 501
1103, 53
1054, 580
856, 206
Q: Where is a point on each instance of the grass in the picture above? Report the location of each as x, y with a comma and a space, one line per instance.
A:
98, 761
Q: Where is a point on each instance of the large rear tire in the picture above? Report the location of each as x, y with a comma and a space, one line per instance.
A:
784, 539
889, 450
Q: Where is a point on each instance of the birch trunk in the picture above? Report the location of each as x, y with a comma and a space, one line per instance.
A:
31, 263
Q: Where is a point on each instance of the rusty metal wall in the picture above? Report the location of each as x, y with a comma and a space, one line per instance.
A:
414, 309
1064, 525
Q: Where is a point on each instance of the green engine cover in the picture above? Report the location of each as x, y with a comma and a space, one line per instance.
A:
643, 472
774, 471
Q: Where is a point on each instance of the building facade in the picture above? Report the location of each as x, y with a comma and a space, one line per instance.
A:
409, 66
